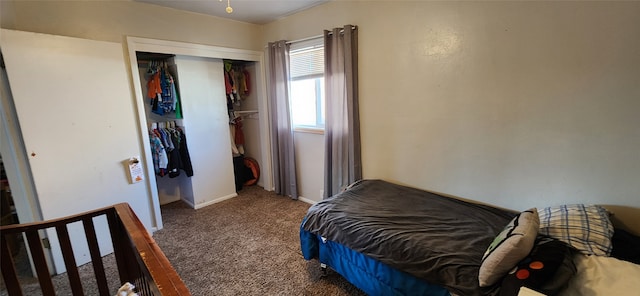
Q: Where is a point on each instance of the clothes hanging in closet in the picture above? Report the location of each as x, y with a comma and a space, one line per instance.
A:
239, 134
184, 155
170, 152
236, 149
161, 90
160, 159
237, 83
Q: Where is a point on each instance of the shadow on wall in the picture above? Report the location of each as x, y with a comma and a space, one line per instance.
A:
624, 217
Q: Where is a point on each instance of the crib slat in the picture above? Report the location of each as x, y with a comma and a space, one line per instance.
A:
119, 249
69, 260
8, 268
42, 269
96, 259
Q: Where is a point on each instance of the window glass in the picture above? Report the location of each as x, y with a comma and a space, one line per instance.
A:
303, 102
307, 85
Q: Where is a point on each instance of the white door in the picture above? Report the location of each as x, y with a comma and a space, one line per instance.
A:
206, 121
74, 104
15, 164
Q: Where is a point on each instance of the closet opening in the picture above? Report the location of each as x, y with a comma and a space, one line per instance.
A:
207, 119
203, 123
171, 160
242, 107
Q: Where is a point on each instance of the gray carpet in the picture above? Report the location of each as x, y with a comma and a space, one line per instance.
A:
247, 245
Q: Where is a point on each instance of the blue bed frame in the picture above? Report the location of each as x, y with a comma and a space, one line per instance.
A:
371, 276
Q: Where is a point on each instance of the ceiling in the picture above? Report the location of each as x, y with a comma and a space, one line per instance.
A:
250, 11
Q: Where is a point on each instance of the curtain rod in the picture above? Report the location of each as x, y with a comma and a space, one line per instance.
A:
301, 40
304, 39
315, 37
311, 38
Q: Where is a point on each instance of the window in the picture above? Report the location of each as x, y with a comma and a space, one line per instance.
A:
307, 84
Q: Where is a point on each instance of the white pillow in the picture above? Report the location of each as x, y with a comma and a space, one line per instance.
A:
599, 275
509, 247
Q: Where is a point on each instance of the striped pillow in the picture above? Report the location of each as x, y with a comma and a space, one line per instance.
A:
587, 228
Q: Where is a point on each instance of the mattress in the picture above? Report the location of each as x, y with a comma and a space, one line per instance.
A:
371, 276
432, 237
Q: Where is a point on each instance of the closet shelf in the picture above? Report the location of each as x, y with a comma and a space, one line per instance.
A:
243, 114
246, 111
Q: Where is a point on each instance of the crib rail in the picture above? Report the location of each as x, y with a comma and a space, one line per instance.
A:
138, 258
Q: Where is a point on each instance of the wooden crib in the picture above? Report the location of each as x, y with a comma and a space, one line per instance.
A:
138, 258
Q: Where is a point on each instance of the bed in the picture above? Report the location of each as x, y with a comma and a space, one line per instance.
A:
389, 239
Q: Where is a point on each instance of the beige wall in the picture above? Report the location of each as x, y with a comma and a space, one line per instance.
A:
513, 103
113, 20
517, 104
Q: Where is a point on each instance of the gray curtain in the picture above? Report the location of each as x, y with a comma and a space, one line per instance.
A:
342, 123
282, 148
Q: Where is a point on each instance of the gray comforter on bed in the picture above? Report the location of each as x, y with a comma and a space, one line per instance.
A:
435, 238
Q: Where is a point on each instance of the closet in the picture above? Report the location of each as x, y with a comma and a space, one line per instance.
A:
243, 121
220, 124
162, 107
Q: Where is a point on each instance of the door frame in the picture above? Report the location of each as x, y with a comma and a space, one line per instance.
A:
16, 165
134, 44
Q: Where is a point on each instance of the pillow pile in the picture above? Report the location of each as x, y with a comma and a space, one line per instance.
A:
509, 247
587, 228
547, 269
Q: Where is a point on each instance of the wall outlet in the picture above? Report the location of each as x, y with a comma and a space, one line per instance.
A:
321, 194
